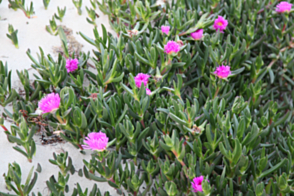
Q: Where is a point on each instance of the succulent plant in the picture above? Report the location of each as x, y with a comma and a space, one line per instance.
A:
61, 13
78, 5
12, 35
13, 180
46, 3
185, 112
20, 4
52, 28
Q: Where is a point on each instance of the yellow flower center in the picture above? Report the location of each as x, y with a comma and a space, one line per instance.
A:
220, 24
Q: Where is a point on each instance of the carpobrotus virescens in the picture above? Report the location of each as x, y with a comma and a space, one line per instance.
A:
49, 103
96, 141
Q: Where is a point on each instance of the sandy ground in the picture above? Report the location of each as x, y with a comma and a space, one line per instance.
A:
32, 35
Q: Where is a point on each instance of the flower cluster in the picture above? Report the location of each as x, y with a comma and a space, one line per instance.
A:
142, 78
96, 141
49, 103
71, 65
283, 7
171, 47
197, 35
197, 184
165, 29
220, 24
223, 71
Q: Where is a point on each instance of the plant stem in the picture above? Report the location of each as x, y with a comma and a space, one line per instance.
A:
60, 120
284, 27
216, 92
219, 84
80, 146
142, 123
182, 163
5, 129
20, 191
166, 65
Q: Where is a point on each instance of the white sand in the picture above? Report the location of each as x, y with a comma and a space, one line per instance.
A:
32, 35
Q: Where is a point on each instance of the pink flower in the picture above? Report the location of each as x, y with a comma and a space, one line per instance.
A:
148, 91
141, 78
197, 35
165, 29
49, 103
222, 71
71, 65
96, 141
283, 7
220, 24
197, 184
171, 47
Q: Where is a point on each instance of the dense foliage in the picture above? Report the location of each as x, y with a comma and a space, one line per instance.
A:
237, 133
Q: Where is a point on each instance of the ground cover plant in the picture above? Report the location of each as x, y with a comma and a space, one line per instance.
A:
190, 98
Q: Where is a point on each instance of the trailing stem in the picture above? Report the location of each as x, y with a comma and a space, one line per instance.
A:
5, 129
